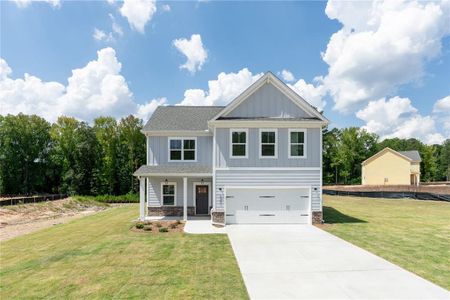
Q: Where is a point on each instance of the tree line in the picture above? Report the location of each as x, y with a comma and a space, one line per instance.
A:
345, 149
70, 156
73, 157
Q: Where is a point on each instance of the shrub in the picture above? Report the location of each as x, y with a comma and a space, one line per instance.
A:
178, 222
139, 225
173, 225
163, 229
158, 225
147, 228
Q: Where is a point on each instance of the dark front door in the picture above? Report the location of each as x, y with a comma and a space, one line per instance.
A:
201, 199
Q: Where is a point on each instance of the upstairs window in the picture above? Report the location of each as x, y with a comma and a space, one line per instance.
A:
268, 143
297, 143
182, 149
168, 192
239, 143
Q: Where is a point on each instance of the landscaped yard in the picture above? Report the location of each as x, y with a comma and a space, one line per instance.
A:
413, 234
100, 257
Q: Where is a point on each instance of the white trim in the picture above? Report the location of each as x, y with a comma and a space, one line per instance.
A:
141, 198
182, 148
275, 81
174, 195
304, 143
232, 130
194, 184
270, 168
214, 170
185, 183
321, 174
261, 130
267, 123
177, 133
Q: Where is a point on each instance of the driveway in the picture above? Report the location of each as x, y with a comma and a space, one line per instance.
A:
304, 262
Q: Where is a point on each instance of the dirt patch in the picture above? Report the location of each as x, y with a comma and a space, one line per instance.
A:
435, 189
159, 227
21, 219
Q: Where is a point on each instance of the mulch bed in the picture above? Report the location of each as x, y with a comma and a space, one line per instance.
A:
155, 227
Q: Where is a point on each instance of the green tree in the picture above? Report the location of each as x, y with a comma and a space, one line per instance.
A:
444, 161
106, 131
131, 152
25, 146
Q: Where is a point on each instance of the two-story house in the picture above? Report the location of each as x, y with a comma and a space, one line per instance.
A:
256, 160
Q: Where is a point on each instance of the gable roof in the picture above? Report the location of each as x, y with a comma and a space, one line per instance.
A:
181, 118
269, 77
411, 156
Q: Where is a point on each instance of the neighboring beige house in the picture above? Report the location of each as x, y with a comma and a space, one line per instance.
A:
390, 167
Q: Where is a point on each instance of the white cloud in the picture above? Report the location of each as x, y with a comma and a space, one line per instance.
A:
138, 12
222, 90
312, 94
382, 45
441, 109
116, 32
26, 3
396, 117
165, 7
287, 75
194, 51
93, 90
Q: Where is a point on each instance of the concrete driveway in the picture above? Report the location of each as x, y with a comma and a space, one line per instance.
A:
304, 262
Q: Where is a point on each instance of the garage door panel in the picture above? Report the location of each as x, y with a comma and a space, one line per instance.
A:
262, 205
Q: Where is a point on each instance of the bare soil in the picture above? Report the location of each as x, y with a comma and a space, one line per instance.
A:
21, 219
436, 189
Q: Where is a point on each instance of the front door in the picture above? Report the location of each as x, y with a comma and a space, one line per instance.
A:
201, 199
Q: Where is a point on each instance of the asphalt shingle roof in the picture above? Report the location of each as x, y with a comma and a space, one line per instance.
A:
172, 169
413, 154
183, 118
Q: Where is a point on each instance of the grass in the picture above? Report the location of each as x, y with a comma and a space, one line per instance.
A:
99, 257
128, 198
413, 234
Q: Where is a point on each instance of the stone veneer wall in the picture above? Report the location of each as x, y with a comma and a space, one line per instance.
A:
170, 211
218, 217
317, 217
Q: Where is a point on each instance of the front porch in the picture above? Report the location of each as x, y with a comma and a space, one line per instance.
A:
175, 191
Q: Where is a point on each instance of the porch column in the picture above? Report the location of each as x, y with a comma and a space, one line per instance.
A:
141, 198
185, 198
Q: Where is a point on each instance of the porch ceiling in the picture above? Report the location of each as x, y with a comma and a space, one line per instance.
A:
174, 170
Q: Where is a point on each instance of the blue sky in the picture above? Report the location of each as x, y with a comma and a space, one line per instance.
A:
379, 71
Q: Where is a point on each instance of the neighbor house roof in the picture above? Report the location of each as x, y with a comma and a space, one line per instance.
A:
181, 118
413, 155
175, 169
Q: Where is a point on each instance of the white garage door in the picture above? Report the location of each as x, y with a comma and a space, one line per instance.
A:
267, 205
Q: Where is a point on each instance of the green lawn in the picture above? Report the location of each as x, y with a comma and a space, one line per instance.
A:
413, 234
99, 257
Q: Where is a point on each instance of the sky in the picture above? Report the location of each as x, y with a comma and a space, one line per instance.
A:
383, 66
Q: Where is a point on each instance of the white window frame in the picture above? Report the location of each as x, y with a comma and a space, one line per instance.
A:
261, 130
304, 142
182, 149
246, 142
174, 193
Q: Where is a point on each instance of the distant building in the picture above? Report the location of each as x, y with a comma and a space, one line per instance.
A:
390, 167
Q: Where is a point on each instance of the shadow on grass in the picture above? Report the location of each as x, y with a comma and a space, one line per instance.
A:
333, 216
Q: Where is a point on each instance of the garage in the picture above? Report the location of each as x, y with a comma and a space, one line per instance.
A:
265, 205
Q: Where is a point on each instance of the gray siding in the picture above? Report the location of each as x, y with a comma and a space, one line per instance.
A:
312, 159
269, 178
157, 151
154, 190
268, 101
